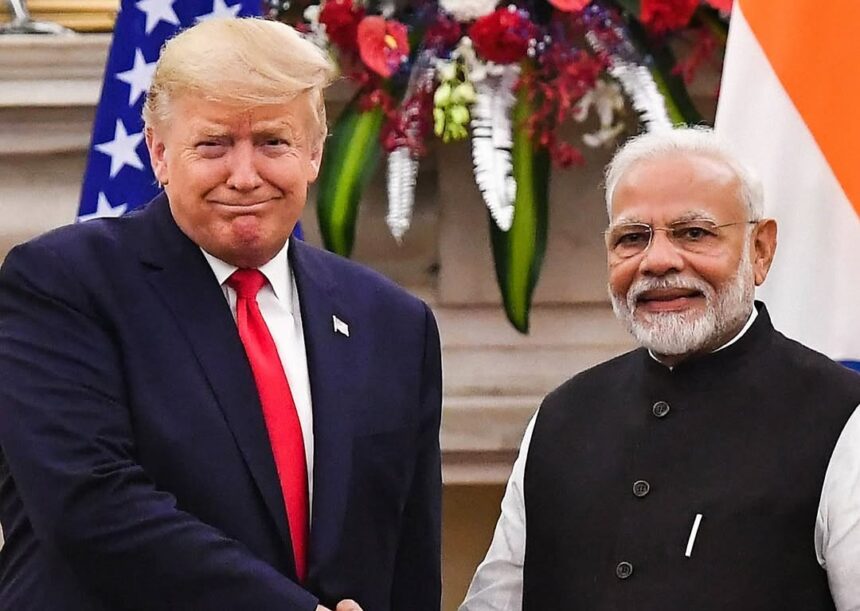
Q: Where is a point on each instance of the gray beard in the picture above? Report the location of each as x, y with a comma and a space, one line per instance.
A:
682, 333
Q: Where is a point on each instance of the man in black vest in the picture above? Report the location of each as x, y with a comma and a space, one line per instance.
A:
715, 467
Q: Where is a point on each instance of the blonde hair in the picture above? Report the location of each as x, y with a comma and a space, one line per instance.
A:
692, 140
247, 61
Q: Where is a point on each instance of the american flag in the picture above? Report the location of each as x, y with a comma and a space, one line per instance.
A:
119, 177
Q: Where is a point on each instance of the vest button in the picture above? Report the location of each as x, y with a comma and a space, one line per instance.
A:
623, 570
641, 488
660, 409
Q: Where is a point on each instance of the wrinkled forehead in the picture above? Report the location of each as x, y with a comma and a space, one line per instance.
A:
196, 112
677, 187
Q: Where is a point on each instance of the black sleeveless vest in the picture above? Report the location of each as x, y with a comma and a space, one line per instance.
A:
626, 455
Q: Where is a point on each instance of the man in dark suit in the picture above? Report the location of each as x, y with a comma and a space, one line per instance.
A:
716, 466
195, 411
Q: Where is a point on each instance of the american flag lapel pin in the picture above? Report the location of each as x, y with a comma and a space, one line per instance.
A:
340, 326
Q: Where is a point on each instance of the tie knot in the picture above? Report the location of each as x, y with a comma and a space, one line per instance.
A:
246, 282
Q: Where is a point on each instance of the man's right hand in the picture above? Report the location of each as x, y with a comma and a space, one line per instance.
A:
344, 605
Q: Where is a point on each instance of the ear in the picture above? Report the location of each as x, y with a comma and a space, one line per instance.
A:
157, 156
315, 160
764, 248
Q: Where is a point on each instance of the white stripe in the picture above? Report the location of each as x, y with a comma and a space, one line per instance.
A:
693, 533
811, 290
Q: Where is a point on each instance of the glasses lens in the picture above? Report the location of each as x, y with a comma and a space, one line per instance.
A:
696, 236
629, 239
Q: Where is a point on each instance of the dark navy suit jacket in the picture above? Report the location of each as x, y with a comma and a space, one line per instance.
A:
136, 471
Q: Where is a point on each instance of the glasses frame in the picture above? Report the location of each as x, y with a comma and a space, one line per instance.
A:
652, 231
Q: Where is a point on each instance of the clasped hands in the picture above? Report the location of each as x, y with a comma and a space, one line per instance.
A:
344, 605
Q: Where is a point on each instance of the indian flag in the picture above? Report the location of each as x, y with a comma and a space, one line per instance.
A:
789, 102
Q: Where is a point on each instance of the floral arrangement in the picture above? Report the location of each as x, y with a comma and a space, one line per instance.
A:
506, 77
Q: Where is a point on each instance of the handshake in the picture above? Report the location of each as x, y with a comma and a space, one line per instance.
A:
344, 605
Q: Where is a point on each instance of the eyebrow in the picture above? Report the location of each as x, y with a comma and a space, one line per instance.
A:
214, 134
275, 126
695, 215
691, 215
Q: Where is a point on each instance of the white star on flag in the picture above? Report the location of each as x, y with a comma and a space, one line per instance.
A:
220, 9
158, 10
139, 77
122, 149
104, 209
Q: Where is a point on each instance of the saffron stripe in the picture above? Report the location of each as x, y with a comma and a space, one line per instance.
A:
813, 49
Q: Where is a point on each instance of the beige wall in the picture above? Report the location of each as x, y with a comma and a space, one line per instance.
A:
469, 514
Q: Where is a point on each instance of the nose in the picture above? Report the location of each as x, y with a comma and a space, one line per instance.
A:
243, 168
661, 257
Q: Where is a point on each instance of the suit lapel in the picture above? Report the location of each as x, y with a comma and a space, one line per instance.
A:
331, 359
181, 276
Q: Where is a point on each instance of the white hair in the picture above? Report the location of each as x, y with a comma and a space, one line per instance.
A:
691, 140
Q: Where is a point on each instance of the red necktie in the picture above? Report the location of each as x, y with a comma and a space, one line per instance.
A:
279, 409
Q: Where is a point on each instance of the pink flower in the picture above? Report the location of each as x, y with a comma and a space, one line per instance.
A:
571, 6
382, 44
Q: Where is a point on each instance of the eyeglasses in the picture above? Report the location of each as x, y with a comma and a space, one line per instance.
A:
696, 236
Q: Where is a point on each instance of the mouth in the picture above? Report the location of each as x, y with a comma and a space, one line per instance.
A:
249, 207
669, 300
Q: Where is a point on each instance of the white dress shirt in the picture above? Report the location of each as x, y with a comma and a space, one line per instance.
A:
498, 582
279, 305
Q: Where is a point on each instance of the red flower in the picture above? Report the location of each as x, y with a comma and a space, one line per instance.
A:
704, 46
724, 6
564, 155
341, 18
443, 33
502, 36
660, 16
571, 6
382, 44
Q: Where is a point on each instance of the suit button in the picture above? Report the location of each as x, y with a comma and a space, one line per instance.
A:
623, 570
641, 488
660, 409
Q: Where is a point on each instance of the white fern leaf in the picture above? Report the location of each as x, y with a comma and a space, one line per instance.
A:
639, 85
492, 141
402, 173
402, 161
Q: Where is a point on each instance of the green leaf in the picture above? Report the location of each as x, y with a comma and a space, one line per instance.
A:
630, 6
715, 23
678, 103
349, 161
518, 253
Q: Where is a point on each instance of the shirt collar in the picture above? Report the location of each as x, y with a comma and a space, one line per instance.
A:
277, 271
739, 335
